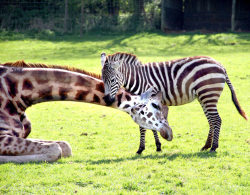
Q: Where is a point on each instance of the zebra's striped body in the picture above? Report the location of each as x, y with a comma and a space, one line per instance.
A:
181, 81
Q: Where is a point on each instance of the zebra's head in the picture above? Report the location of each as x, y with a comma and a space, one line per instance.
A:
149, 113
112, 78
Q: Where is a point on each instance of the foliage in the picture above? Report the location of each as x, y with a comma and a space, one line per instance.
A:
97, 15
104, 140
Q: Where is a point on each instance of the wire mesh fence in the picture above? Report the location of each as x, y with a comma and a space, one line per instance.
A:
78, 16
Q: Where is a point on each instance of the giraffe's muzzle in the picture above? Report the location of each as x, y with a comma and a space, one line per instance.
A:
167, 133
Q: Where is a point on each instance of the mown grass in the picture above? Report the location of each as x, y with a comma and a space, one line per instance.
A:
104, 140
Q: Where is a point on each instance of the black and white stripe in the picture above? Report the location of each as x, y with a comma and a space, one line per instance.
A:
181, 81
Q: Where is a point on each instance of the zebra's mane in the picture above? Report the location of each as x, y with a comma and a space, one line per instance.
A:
127, 57
23, 64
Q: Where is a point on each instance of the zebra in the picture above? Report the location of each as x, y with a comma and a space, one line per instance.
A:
181, 81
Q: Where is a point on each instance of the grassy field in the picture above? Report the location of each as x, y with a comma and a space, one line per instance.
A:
104, 140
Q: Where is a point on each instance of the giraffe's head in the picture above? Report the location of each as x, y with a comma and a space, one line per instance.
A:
148, 112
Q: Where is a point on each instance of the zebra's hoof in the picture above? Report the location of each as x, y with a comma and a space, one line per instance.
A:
212, 150
205, 147
140, 151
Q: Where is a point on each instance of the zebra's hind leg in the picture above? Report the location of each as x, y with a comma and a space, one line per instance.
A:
142, 140
214, 121
157, 141
210, 134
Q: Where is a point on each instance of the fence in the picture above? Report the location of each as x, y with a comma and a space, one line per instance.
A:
77, 16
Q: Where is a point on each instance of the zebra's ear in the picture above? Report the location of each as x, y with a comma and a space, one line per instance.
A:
147, 94
103, 58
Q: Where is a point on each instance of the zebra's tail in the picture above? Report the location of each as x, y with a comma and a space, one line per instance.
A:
234, 98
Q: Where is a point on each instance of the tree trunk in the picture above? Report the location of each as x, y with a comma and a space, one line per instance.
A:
82, 18
233, 15
113, 9
171, 15
66, 16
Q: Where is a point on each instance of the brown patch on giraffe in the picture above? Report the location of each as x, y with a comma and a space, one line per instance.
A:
1, 89
20, 105
46, 93
128, 97
1, 100
149, 114
15, 133
41, 77
27, 100
8, 141
153, 118
19, 141
27, 128
63, 92
12, 85
62, 76
126, 106
119, 98
149, 122
10, 108
82, 82
1, 138
144, 119
81, 95
27, 144
27, 85
96, 99
17, 123
156, 124
100, 87
2, 70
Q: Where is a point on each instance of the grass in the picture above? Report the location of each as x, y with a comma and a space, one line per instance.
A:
104, 159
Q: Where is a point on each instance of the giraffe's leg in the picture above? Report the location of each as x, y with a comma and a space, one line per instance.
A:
66, 149
142, 140
157, 141
20, 150
26, 125
65, 146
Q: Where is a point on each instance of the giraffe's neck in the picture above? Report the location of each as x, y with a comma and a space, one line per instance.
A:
28, 86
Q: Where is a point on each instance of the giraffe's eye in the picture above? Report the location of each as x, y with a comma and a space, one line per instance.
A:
157, 107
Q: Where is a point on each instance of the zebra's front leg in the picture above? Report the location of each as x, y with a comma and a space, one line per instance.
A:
142, 140
157, 141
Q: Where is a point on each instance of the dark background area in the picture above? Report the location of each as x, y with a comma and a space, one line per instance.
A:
81, 16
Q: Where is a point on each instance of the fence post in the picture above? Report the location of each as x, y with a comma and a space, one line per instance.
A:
82, 18
66, 15
233, 15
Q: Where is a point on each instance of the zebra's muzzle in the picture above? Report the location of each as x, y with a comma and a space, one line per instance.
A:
108, 100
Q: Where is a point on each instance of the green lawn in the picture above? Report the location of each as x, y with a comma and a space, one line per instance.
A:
104, 160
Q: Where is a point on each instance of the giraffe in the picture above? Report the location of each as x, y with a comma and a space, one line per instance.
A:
25, 84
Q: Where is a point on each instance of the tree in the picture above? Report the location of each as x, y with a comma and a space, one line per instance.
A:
113, 9
138, 6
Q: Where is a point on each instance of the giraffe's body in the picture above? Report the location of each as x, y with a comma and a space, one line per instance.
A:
23, 85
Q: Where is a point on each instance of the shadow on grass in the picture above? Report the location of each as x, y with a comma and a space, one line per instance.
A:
158, 156
170, 157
